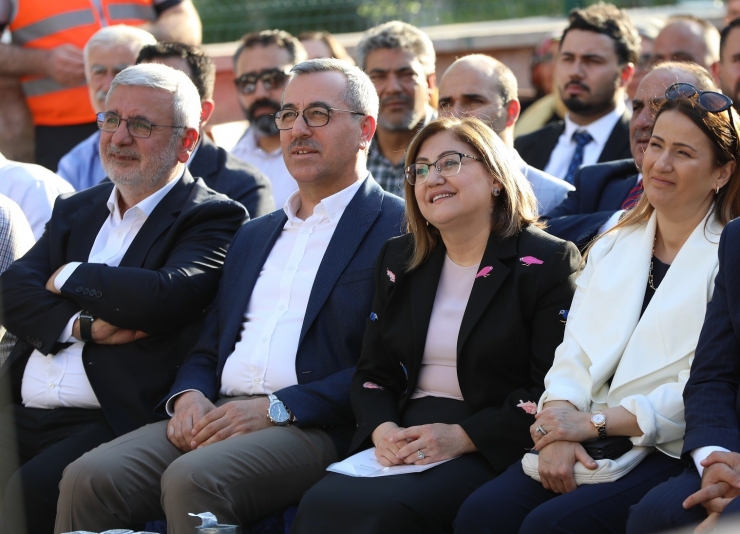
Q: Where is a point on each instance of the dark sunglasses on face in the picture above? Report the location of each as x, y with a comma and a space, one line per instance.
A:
710, 101
270, 78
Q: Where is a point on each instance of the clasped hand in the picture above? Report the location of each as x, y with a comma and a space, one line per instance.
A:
397, 446
561, 424
720, 484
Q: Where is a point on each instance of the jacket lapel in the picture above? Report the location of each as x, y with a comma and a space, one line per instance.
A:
86, 226
358, 217
617, 146
205, 161
540, 157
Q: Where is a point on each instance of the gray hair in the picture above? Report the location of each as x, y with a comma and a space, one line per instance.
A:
130, 36
398, 35
702, 79
360, 94
185, 97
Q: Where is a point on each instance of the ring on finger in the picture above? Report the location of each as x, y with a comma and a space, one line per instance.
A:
420, 455
541, 430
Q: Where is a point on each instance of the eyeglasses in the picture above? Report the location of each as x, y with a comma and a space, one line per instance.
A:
314, 116
710, 101
246, 84
447, 165
109, 122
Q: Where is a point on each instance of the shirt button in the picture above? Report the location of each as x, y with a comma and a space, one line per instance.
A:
51, 386
257, 381
264, 340
282, 307
291, 267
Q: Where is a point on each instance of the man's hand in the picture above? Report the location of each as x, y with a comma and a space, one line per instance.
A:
386, 451
437, 442
556, 465
104, 333
720, 483
229, 420
50, 282
190, 407
66, 66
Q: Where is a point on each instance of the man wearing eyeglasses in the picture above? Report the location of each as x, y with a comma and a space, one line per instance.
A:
261, 405
109, 300
261, 66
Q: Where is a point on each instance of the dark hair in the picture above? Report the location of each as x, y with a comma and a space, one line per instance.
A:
202, 69
337, 50
281, 38
726, 33
611, 21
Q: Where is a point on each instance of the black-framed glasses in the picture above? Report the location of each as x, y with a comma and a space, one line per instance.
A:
315, 116
109, 122
270, 78
710, 101
448, 165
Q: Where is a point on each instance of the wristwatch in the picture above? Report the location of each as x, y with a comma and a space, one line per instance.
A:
86, 321
598, 419
278, 413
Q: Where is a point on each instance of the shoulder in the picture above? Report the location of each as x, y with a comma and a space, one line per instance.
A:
537, 240
546, 181
33, 176
549, 130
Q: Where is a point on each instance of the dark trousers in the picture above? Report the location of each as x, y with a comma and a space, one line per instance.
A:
42, 443
423, 503
514, 502
661, 509
53, 142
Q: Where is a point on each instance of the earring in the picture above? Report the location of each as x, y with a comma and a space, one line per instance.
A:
716, 192
496, 191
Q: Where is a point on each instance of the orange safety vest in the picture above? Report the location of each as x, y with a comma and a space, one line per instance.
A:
46, 24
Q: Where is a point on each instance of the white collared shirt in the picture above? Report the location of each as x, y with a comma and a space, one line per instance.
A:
60, 381
263, 360
600, 130
271, 164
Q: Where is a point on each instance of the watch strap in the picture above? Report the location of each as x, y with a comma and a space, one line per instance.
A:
86, 321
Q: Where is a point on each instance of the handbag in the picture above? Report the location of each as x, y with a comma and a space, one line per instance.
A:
618, 459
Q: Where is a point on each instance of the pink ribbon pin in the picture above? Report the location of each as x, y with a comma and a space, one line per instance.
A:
484, 272
391, 276
531, 260
371, 385
529, 406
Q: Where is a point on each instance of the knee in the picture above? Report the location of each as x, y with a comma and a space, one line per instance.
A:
184, 477
84, 478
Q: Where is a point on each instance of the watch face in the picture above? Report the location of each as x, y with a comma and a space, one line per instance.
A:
278, 412
598, 419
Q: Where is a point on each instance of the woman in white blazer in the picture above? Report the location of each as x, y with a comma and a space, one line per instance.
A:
630, 336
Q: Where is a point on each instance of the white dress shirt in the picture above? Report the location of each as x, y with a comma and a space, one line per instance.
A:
263, 360
271, 164
34, 188
60, 381
600, 130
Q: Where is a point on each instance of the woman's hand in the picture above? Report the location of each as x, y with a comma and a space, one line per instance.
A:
386, 451
556, 465
436, 441
561, 424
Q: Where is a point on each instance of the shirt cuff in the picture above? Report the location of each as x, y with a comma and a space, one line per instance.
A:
701, 453
65, 273
170, 405
66, 335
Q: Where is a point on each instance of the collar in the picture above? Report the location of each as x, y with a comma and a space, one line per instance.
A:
146, 206
600, 129
332, 206
195, 151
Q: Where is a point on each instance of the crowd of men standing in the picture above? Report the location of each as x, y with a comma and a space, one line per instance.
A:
180, 322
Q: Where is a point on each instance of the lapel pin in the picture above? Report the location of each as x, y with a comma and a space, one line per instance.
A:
530, 260
371, 385
391, 276
484, 272
564, 315
529, 406
373, 316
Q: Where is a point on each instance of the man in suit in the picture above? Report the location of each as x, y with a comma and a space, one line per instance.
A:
107, 303
595, 64
603, 190
727, 70
221, 171
483, 87
687, 38
261, 405
705, 492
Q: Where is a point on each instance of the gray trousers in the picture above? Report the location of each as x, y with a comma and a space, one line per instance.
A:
142, 476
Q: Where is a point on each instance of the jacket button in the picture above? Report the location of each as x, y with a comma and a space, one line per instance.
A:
79, 289
85, 291
98, 294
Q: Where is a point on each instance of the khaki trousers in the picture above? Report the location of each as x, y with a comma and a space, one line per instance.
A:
142, 476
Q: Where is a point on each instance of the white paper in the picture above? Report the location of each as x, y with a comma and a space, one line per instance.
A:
365, 464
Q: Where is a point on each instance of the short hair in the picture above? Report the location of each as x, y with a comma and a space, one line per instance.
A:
709, 32
202, 69
337, 49
185, 97
397, 35
704, 80
514, 208
120, 34
506, 84
360, 94
281, 38
725, 35
609, 20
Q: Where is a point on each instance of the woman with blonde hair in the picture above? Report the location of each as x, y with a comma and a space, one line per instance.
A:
468, 311
633, 327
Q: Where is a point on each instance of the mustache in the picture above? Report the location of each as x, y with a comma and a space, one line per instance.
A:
395, 98
304, 143
576, 83
263, 103
113, 151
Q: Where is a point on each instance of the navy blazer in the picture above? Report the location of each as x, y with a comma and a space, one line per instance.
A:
339, 303
712, 394
165, 281
237, 179
601, 190
535, 148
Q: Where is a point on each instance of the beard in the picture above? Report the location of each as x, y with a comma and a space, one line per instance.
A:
151, 175
395, 123
264, 124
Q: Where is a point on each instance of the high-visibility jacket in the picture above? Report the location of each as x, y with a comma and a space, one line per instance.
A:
46, 24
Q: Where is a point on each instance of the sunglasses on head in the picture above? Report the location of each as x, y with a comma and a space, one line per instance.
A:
270, 78
710, 101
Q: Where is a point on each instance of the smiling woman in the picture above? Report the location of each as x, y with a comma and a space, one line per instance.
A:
464, 326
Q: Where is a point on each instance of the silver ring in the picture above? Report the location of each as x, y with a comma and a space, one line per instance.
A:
541, 430
420, 455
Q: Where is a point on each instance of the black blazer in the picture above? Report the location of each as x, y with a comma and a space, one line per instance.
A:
712, 394
164, 283
535, 148
237, 179
600, 191
509, 332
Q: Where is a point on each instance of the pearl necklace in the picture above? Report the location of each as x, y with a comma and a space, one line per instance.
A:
652, 260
